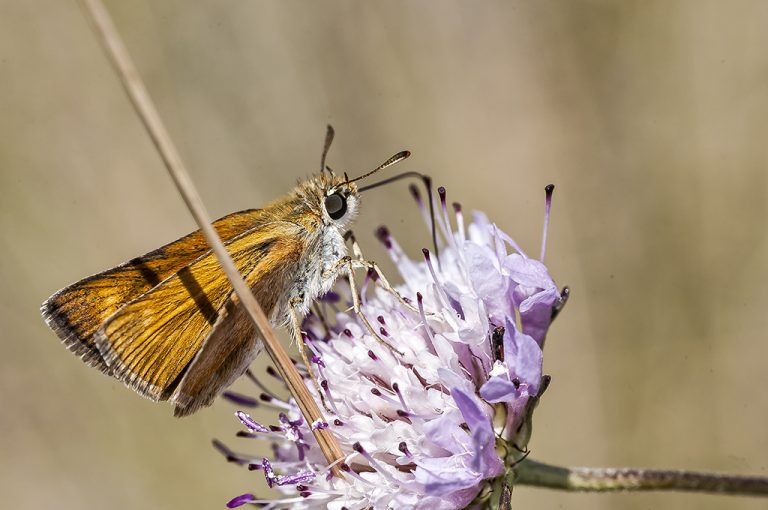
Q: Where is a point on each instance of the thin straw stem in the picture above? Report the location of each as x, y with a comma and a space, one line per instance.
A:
137, 92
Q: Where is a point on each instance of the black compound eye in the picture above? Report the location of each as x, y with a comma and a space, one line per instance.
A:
336, 206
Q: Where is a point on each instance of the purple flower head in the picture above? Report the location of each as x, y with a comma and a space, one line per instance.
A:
422, 410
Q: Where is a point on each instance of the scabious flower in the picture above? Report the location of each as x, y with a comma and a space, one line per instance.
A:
435, 406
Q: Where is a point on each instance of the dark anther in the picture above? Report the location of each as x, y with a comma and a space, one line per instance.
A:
415, 192
545, 380
560, 303
382, 234
497, 343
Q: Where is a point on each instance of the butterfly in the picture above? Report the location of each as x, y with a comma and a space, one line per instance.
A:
168, 324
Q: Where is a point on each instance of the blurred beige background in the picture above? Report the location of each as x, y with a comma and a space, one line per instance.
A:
650, 117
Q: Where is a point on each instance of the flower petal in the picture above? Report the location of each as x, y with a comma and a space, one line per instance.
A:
498, 389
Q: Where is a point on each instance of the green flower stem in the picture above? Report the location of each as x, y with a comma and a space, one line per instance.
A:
531, 472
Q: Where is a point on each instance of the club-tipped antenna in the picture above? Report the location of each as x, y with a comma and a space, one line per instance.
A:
326, 147
397, 158
426, 180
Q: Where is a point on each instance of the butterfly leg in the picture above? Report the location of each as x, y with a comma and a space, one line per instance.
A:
301, 343
380, 280
356, 306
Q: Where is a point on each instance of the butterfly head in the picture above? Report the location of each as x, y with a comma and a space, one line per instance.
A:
335, 199
342, 196
324, 200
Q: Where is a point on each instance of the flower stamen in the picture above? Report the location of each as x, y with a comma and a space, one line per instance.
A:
241, 400
328, 397
403, 447
446, 221
459, 221
375, 465
423, 316
441, 298
249, 422
396, 388
547, 208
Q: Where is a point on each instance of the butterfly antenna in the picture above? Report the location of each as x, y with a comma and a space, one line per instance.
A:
326, 147
397, 158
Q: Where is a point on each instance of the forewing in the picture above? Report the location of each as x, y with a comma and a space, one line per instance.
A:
77, 311
150, 341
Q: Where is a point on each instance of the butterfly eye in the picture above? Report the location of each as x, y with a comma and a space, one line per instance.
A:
336, 206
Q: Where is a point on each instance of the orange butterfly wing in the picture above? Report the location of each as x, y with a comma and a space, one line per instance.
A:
77, 311
149, 343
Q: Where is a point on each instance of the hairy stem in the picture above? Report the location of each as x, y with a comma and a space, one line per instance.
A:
531, 472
